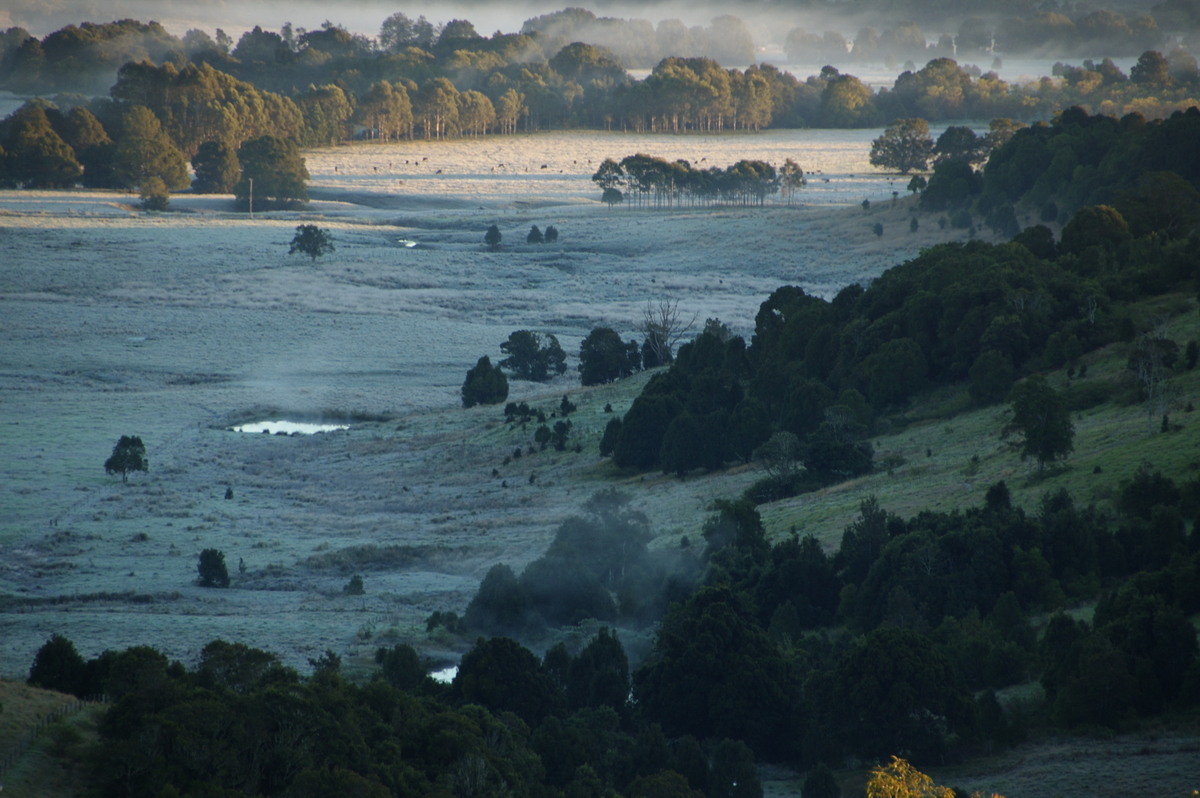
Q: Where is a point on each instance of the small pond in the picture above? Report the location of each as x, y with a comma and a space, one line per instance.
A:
284, 427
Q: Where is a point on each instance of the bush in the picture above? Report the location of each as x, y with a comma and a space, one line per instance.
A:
155, 194
355, 586
485, 384
211, 566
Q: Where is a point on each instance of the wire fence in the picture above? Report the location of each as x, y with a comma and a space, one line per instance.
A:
19, 748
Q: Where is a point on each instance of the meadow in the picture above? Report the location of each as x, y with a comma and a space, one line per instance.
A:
176, 325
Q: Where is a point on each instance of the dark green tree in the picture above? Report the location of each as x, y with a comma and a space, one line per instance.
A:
37, 157
58, 666
603, 357
991, 377
1040, 415
820, 783
504, 676
533, 355
312, 241
217, 169
493, 237
535, 236
905, 146
485, 384
714, 673
144, 150
211, 566
642, 430
128, 455
501, 605
273, 174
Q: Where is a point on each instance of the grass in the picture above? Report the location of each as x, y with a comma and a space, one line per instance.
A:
934, 451
50, 763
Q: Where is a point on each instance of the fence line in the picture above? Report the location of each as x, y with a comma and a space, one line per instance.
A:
25, 741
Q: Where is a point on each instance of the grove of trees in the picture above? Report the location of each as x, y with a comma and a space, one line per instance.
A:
328, 85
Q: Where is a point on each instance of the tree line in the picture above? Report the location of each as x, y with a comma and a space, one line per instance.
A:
648, 179
900, 640
420, 80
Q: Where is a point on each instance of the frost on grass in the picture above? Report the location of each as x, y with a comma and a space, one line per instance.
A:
170, 323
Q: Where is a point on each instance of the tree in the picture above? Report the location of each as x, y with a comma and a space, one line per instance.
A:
960, 143
273, 174
154, 194
58, 666
144, 150
533, 355
128, 455
312, 241
216, 166
211, 566
905, 145
37, 156
603, 357
898, 779
493, 237
551, 234
663, 327
792, 179
535, 236
485, 384
1152, 69
1040, 414
820, 783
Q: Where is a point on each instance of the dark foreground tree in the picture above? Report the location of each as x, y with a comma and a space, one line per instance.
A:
485, 384
905, 146
211, 566
128, 455
312, 241
1040, 414
58, 666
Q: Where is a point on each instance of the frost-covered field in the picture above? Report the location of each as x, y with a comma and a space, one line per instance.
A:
173, 326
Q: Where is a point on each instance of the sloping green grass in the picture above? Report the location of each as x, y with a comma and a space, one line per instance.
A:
934, 466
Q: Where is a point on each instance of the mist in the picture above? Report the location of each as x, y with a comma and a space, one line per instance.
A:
42, 17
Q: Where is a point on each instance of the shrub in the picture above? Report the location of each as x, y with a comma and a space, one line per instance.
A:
155, 194
355, 586
485, 384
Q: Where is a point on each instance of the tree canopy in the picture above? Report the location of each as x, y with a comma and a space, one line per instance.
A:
128, 455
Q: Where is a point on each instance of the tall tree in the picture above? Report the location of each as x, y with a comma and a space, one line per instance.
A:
273, 173
217, 169
144, 150
1040, 414
37, 156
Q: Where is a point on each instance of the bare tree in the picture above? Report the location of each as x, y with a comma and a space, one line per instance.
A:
663, 327
1151, 360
